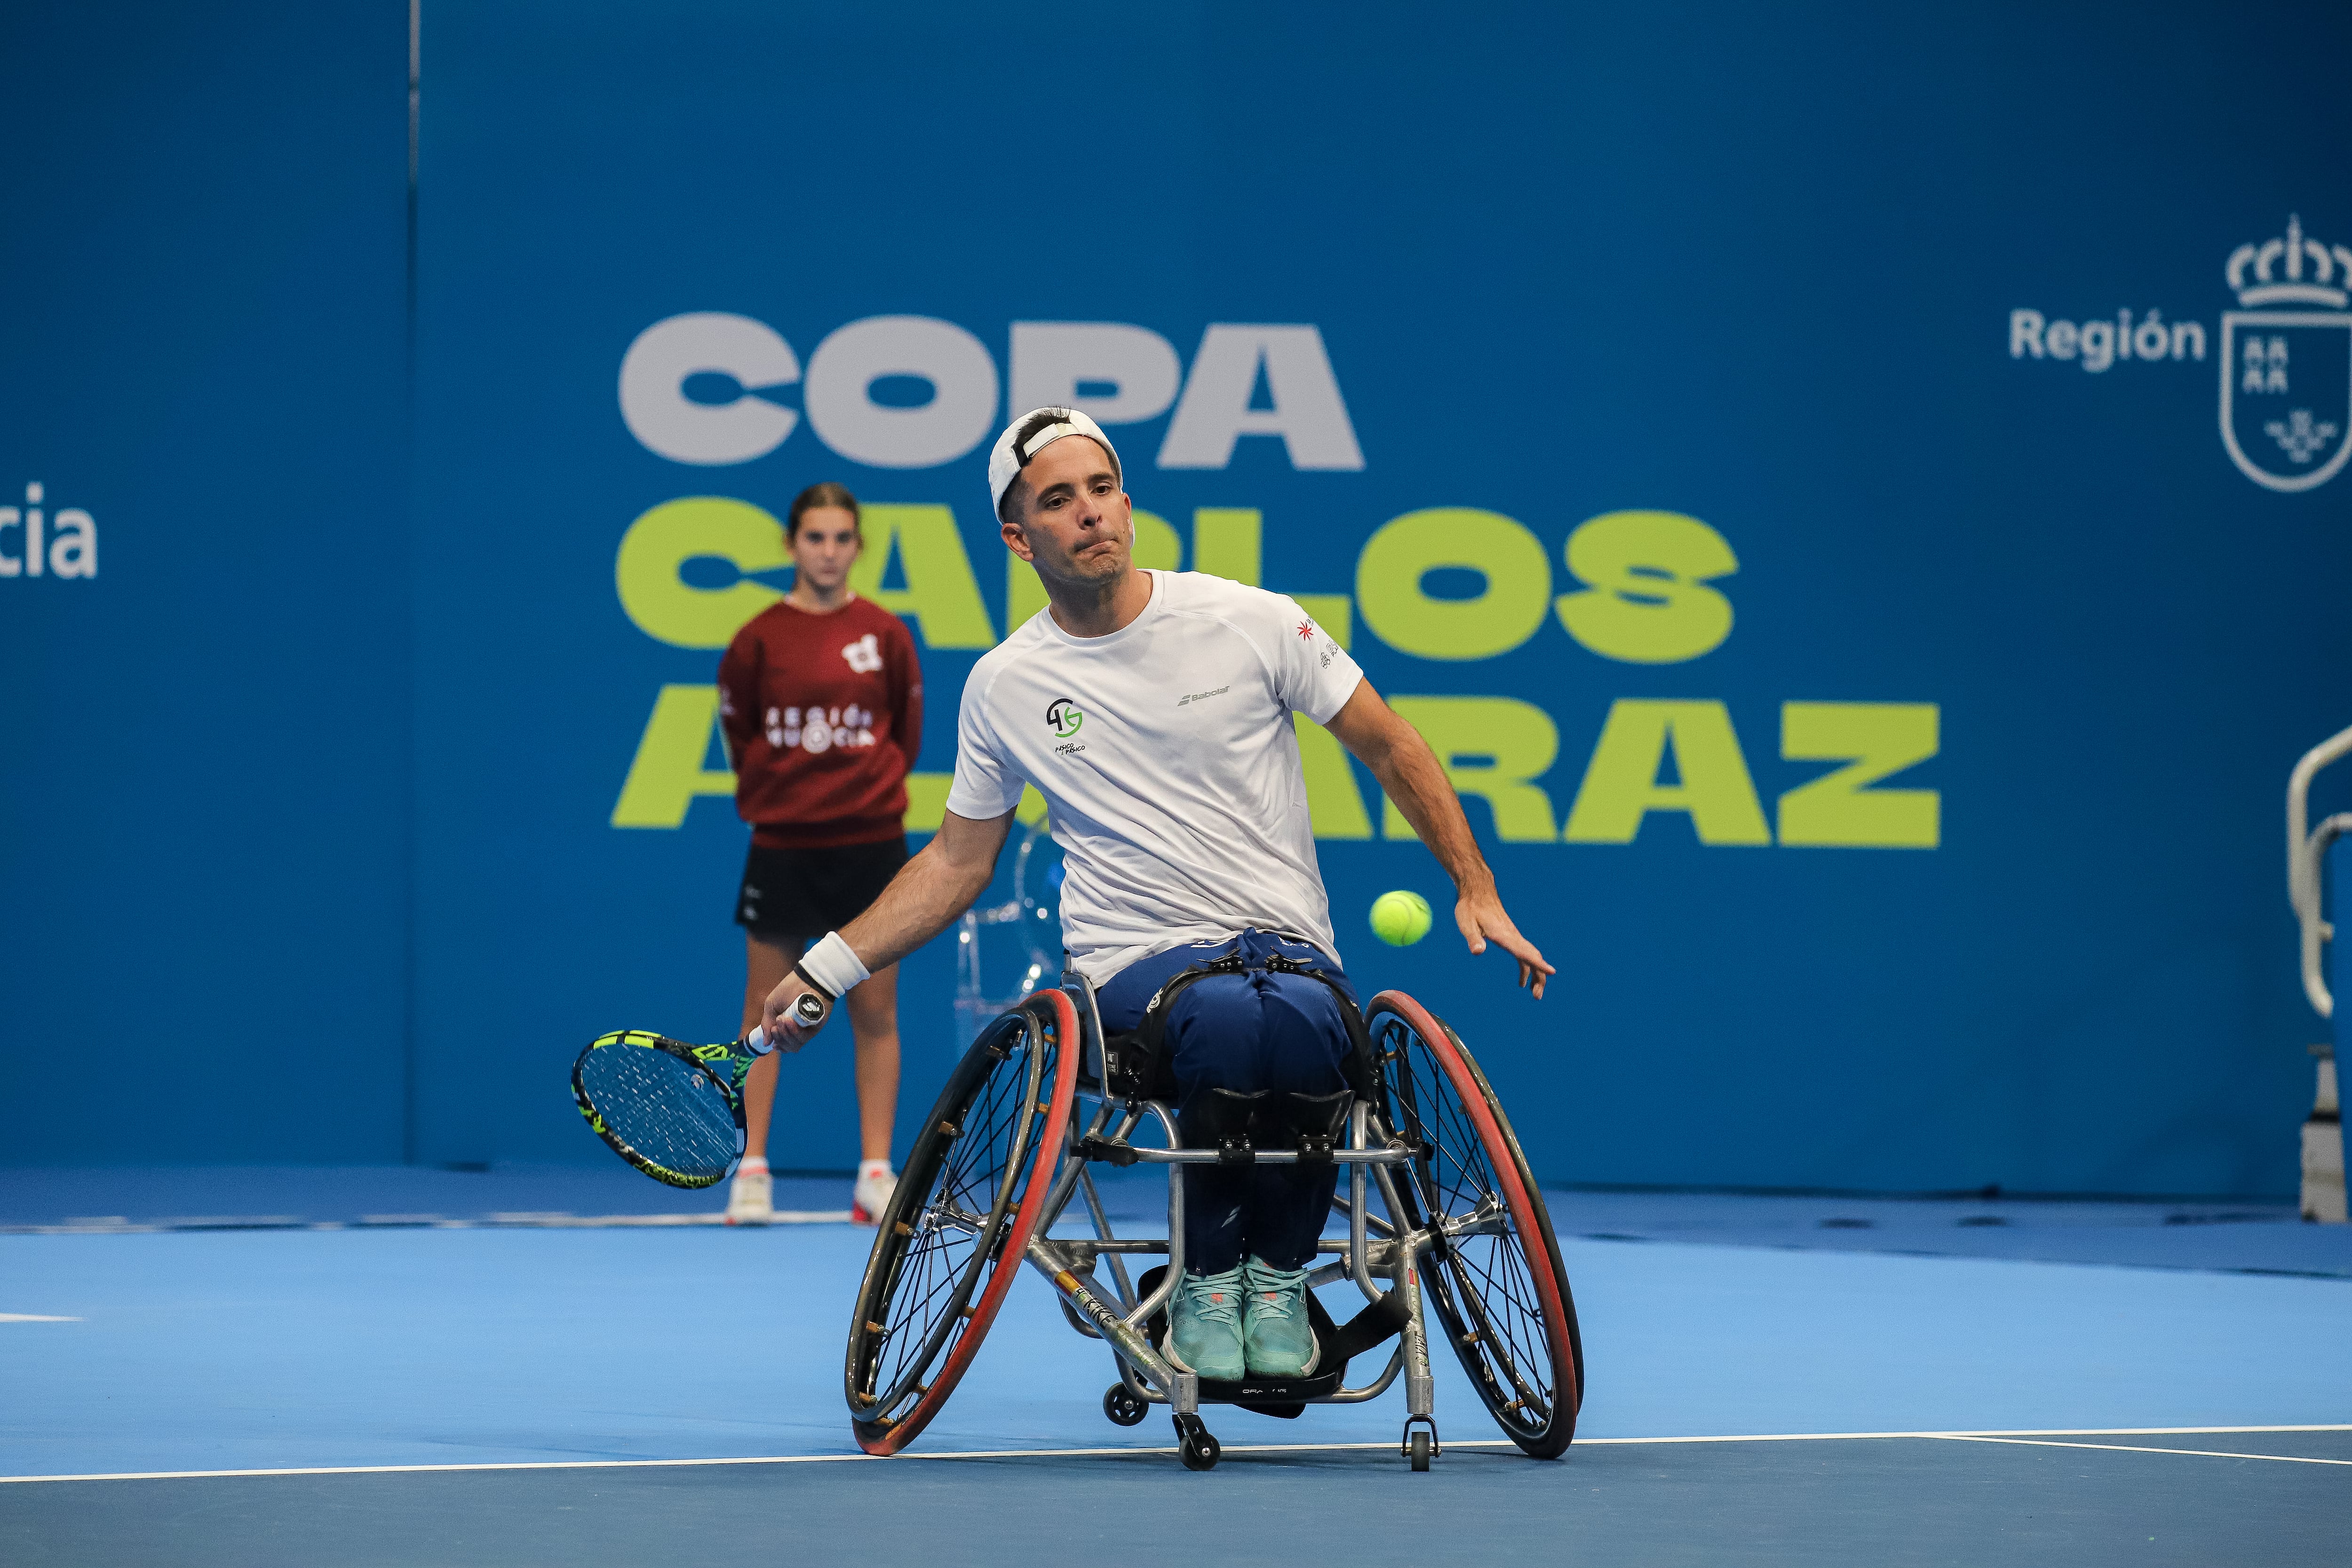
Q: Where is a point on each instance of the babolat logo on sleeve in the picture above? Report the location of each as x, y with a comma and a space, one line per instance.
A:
1063, 717
2286, 373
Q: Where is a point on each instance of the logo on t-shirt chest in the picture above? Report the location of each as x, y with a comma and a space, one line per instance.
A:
1065, 718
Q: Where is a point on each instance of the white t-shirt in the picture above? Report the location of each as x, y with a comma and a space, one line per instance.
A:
1166, 754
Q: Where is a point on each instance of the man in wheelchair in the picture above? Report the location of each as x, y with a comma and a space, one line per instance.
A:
1154, 711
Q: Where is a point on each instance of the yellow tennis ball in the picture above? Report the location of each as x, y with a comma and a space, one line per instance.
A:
1401, 917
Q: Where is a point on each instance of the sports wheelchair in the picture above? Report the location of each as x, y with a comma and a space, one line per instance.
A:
1459, 1242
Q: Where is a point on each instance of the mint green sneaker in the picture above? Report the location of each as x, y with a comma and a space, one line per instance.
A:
1204, 1326
1277, 1339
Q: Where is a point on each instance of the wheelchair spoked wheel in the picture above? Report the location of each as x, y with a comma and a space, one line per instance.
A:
1496, 1281
954, 1236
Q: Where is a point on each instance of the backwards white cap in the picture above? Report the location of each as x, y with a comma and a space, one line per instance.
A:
1030, 435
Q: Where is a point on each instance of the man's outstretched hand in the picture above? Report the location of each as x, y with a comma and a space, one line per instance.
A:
1479, 913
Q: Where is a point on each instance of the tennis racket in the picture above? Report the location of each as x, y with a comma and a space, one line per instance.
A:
673, 1110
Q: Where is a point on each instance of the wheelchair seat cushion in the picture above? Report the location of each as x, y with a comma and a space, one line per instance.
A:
1293, 986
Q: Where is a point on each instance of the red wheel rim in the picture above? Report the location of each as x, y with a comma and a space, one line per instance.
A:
1017, 1232
1502, 1158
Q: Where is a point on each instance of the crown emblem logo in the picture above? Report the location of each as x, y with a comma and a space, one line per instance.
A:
2286, 368
2293, 270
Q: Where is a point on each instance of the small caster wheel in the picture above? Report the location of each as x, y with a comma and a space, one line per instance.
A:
1421, 1441
1122, 1406
1196, 1447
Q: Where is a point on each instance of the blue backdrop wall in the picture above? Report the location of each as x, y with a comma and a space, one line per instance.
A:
204, 663
1852, 495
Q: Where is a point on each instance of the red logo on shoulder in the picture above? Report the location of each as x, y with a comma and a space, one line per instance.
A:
1306, 629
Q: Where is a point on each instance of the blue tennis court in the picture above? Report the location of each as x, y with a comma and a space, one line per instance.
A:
500, 1385
688, 692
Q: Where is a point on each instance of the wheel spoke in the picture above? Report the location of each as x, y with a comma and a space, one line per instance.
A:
941, 1255
934, 1278
1482, 1287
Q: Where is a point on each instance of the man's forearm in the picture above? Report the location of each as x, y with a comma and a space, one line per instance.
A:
920, 902
1411, 773
1409, 770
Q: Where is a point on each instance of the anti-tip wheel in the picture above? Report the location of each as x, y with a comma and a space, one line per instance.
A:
1419, 1450
1198, 1450
1122, 1406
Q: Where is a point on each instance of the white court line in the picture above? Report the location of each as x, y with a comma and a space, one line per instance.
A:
2130, 1448
1989, 1435
516, 1221
2012, 1435
33, 1317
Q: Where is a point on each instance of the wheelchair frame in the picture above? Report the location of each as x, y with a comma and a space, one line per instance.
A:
1122, 1316
1146, 1373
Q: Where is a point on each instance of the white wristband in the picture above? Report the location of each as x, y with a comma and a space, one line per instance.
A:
832, 967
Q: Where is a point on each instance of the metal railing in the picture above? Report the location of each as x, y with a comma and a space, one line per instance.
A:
2306, 849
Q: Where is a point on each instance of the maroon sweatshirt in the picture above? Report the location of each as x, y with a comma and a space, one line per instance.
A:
824, 715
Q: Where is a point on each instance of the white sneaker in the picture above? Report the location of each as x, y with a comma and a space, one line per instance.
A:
870, 1199
750, 1201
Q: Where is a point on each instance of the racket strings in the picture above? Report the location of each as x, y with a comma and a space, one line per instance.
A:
668, 1111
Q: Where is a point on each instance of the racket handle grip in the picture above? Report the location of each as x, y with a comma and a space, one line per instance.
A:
810, 1010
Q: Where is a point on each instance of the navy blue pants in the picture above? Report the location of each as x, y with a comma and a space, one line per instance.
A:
1246, 1033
